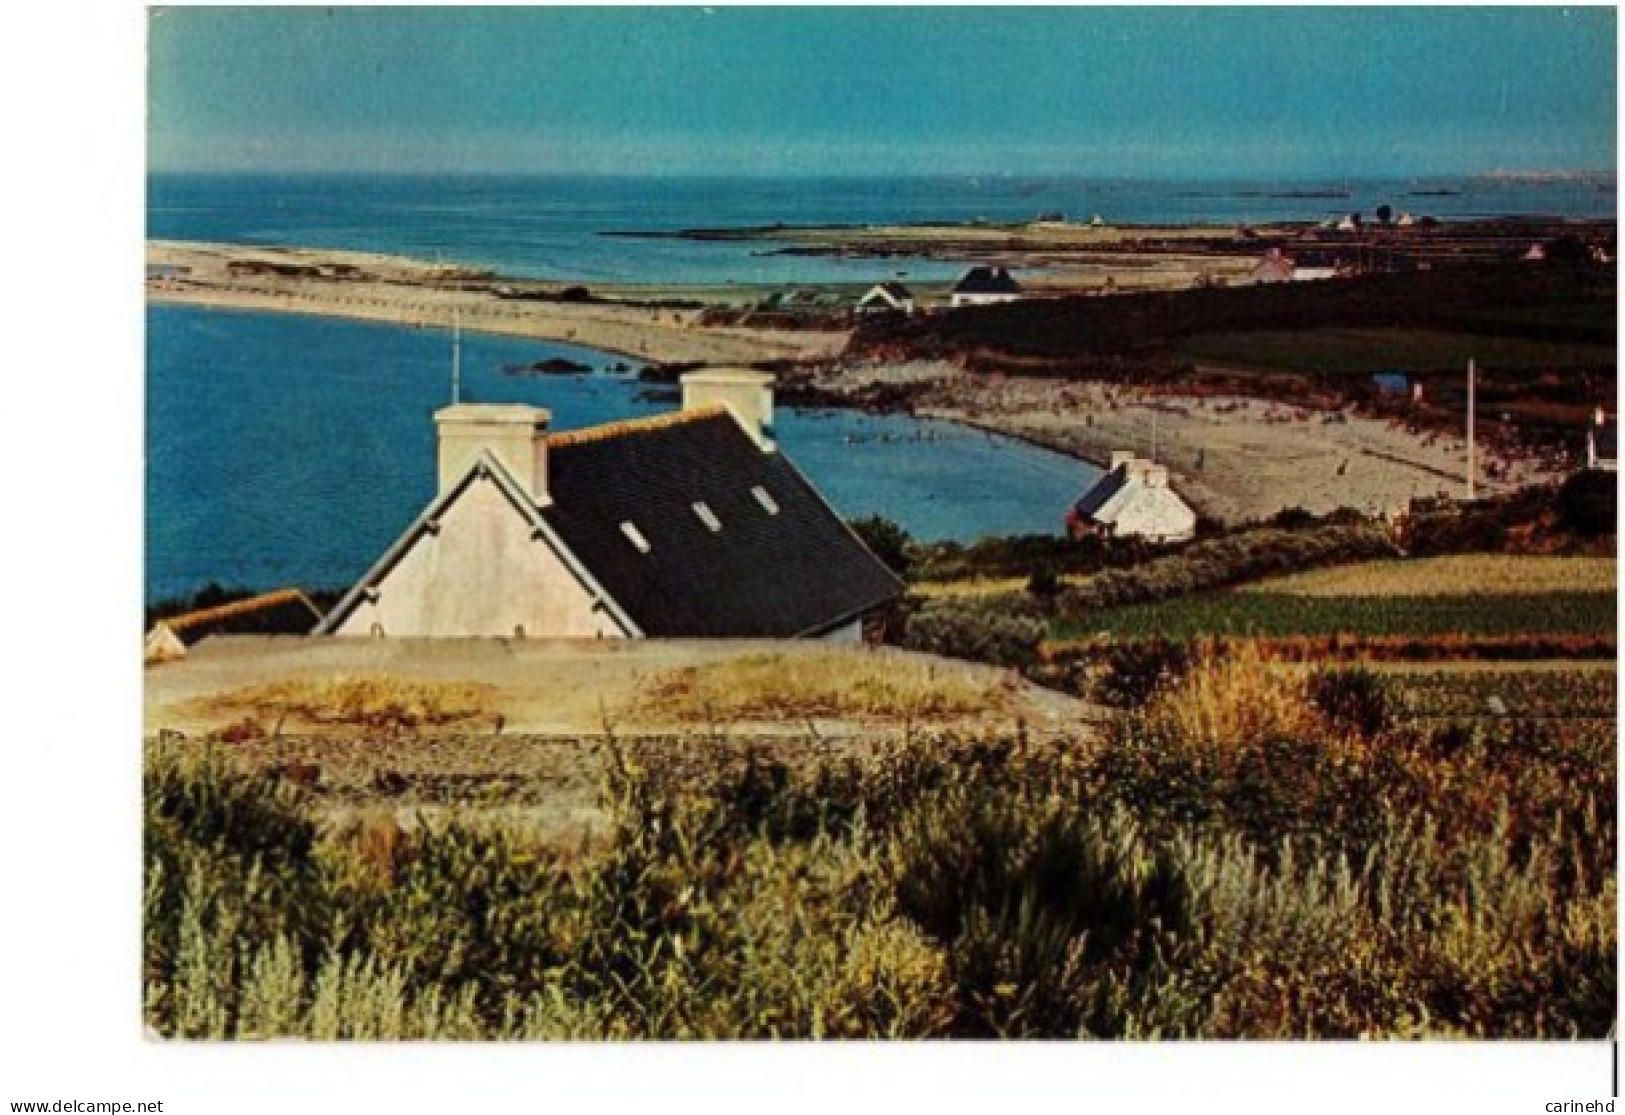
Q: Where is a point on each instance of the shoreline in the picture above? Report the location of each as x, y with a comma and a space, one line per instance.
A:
398, 290
1233, 459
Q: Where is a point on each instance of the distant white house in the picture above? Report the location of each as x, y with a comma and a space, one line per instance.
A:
1275, 267
887, 298
1134, 500
982, 286
1278, 267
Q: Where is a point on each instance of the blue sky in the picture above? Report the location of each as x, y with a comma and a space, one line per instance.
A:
1151, 92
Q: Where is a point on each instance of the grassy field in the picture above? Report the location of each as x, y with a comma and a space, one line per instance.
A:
1481, 573
1374, 350
1244, 614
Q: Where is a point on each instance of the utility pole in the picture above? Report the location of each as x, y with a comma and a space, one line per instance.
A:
1472, 469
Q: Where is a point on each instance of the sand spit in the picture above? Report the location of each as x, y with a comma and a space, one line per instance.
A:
404, 291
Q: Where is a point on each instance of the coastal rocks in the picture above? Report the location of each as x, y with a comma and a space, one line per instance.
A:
552, 366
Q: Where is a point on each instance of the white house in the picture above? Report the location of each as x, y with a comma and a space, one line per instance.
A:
1133, 499
982, 286
1275, 267
887, 298
685, 525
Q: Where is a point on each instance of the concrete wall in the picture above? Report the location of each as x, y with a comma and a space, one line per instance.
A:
482, 575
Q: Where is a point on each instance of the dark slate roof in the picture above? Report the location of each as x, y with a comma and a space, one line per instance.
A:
798, 572
284, 612
1105, 488
987, 280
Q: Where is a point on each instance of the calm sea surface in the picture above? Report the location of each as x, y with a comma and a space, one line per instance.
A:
553, 227
292, 450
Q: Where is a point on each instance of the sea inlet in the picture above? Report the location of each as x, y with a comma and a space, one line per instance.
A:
291, 450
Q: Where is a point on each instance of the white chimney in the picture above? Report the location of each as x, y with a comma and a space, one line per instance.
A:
1156, 476
1121, 457
515, 435
748, 396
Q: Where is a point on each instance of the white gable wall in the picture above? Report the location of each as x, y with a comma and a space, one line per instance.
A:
1148, 511
482, 575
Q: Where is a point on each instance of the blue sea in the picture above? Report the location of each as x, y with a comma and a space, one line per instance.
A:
291, 450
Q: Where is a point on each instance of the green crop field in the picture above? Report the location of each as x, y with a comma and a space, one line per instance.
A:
1495, 694
1371, 350
1244, 614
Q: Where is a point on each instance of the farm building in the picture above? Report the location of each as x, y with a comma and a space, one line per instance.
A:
887, 298
685, 525
1133, 499
1278, 267
1275, 267
285, 612
981, 286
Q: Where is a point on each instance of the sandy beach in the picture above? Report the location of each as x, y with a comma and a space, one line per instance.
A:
403, 291
1234, 459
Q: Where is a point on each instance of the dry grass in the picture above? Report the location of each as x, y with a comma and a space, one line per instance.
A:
359, 700
1458, 573
1226, 704
868, 686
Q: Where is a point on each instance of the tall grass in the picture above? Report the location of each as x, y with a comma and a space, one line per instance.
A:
1253, 857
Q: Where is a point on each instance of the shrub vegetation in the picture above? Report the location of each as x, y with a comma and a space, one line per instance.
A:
1261, 855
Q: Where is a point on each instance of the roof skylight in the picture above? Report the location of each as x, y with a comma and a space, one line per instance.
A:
635, 536
708, 516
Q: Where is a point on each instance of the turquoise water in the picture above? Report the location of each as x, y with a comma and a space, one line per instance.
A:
290, 450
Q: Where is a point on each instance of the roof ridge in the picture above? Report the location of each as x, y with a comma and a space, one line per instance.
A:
236, 607
627, 426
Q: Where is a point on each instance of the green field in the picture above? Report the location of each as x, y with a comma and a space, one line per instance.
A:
1245, 614
1501, 693
1371, 350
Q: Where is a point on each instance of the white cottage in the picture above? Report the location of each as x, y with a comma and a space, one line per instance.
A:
685, 525
887, 298
984, 286
1132, 499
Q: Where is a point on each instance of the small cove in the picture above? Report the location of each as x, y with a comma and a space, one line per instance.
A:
291, 450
